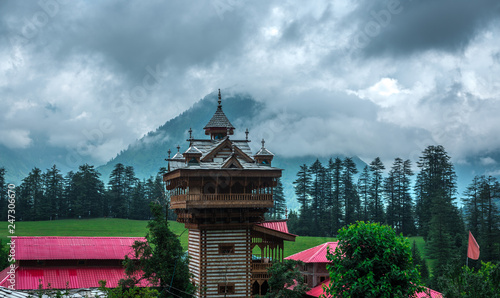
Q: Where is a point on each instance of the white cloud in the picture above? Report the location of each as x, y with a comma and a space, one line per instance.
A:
15, 138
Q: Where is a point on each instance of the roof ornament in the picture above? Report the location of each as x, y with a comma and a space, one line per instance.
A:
169, 151
190, 133
263, 142
246, 133
220, 100
178, 148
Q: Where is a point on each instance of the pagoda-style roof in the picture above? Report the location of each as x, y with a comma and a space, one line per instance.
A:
216, 153
219, 119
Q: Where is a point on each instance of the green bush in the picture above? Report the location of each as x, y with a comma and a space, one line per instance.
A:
372, 261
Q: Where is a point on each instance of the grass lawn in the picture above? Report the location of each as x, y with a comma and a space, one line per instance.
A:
116, 227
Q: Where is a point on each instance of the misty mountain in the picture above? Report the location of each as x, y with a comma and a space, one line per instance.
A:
147, 155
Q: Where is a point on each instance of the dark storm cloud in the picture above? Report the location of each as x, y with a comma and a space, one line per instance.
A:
405, 27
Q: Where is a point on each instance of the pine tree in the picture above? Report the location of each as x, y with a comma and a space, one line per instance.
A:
364, 192
439, 220
317, 197
30, 196
483, 216
86, 193
302, 189
278, 211
117, 191
377, 210
336, 202
349, 192
3, 195
53, 187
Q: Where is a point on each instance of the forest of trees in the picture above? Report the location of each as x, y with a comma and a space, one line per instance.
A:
49, 195
331, 198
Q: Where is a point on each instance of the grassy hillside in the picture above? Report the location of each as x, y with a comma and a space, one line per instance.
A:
115, 227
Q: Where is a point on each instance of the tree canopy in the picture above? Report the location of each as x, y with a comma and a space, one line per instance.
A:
372, 261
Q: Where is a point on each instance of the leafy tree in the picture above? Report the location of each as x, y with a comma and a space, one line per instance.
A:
349, 192
133, 292
160, 259
372, 261
284, 274
377, 207
466, 282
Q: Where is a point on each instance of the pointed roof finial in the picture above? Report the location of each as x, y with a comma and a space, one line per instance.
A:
179, 147
263, 142
190, 133
220, 100
169, 151
246, 133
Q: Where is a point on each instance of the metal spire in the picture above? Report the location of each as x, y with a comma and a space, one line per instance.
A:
220, 100
246, 132
263, 142
169, 151
190, 133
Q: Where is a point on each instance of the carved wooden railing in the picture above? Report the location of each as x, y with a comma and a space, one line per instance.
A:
260, 267
221, 197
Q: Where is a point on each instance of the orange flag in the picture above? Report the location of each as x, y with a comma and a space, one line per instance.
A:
473, 249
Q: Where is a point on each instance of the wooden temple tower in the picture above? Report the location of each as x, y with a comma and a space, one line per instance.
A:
220, 191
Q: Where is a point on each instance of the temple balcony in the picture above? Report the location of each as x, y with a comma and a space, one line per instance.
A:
235, 200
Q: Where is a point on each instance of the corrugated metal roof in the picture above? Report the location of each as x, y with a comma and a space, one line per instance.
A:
278, 225
77, 277
74, 248
317, 291
316, 254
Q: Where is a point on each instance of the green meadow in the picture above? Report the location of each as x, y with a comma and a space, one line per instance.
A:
116, 227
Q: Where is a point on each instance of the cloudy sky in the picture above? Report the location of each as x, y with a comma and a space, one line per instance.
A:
361, 77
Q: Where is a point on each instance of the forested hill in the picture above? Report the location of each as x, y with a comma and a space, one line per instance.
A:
148, 154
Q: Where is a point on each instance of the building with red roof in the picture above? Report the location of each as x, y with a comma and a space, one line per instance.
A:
314, 270
318, 290
68, 262
316, 276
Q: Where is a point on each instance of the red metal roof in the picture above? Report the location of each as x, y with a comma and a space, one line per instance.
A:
316, 254
317, 291
74, 248
29, 278
277, 225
